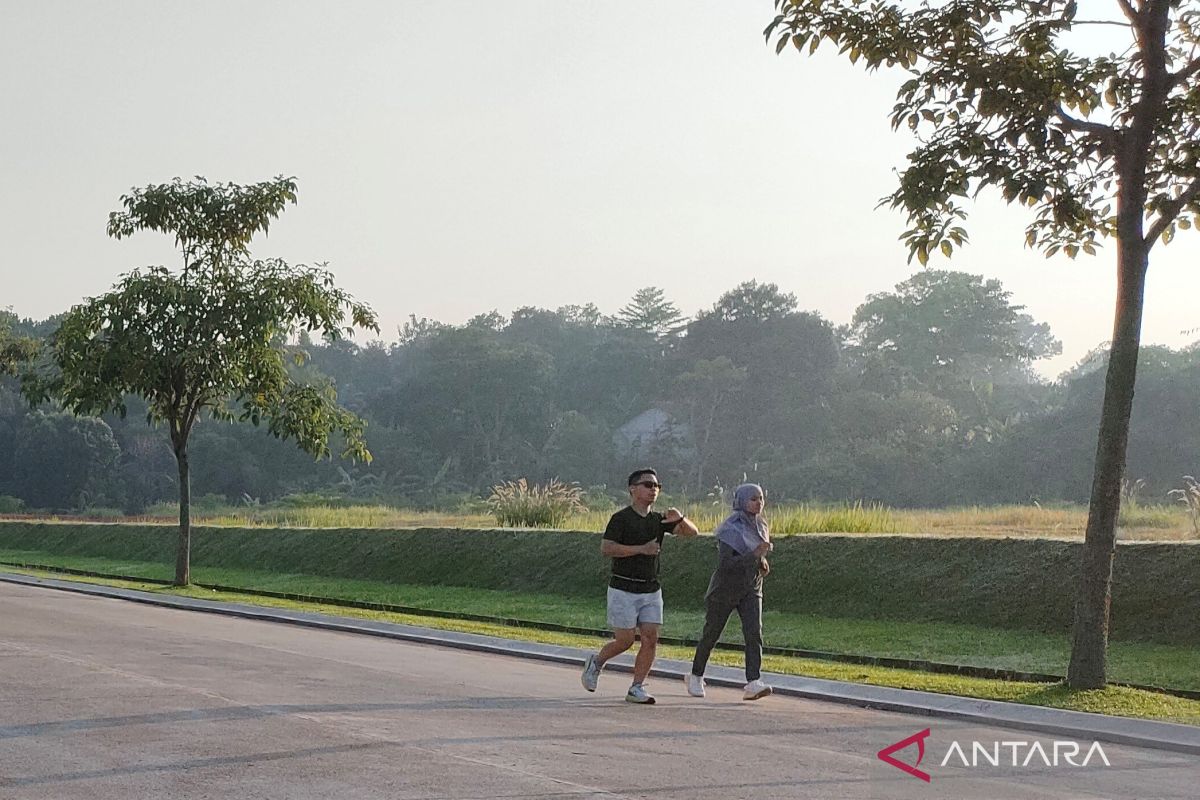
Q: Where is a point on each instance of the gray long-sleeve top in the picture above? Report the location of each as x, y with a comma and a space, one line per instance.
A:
736, 575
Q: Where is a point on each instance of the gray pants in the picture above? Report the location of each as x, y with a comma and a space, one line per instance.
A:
716, 613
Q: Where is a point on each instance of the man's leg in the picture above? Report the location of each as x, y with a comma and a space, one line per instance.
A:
622, 640
645, 656
622, 618
590, 677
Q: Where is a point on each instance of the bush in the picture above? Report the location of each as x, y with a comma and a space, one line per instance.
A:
597, 498
10, 504
520, 504
314, 500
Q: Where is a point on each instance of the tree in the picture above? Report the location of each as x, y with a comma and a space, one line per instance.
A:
470, 395
651, 312
952, 334
578, 451
210, 339
789, 358
63, 461
943, 324
14, 350
1100, 146
752, 302
416, 330
705, 396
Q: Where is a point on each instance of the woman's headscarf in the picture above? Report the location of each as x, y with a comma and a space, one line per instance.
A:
742, 530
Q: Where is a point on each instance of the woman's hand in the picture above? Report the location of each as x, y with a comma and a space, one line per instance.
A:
763, 567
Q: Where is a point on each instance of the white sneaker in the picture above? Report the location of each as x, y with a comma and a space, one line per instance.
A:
755, 690
695, 684
638, 694
591, 673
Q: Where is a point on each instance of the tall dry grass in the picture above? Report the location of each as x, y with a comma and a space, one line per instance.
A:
530, 505
1138, 522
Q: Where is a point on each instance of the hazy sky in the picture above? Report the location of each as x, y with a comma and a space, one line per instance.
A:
454, 158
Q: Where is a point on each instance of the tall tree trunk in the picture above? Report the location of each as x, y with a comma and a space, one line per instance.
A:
183, 566
1089, 648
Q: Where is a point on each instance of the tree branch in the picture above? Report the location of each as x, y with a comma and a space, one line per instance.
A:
1171, 209
1106, 133
1128, 10
1191, 69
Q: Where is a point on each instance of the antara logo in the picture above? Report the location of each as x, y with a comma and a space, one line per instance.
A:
995, 754
919, 740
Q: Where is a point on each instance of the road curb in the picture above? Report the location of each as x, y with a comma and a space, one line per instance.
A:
1072, 724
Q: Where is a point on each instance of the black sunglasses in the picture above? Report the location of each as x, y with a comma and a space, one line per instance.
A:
649, 484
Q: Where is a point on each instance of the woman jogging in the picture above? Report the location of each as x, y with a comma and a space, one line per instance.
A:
743, 541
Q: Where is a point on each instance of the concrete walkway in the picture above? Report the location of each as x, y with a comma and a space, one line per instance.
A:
1073, 724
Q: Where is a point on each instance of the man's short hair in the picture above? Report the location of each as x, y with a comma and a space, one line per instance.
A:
638, 474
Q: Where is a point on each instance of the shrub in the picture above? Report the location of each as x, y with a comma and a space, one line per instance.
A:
520, 504
313, 500
10, 504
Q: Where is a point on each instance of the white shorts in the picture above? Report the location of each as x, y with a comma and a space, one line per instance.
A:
631, 609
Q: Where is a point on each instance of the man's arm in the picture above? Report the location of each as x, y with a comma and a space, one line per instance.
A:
611, 549
683, 525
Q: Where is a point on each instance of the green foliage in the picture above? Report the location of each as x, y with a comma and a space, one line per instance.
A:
946, 328
649, 311
707, 395
578, 447
14, 350
10, 504
206, 342
816, 418
314, 500
1000, 101
477, 397
212, 223
954, 336
209, 339
62, 461
521, 504
752, 301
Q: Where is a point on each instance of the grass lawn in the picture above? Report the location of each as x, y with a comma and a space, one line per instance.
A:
1131, 662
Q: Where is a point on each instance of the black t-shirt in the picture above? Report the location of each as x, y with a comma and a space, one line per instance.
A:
638, 574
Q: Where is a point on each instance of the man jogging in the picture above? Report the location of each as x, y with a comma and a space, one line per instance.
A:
633, 540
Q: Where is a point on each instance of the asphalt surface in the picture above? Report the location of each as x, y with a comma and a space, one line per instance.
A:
109, 699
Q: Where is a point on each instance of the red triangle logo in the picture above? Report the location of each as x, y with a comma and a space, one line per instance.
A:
885, 754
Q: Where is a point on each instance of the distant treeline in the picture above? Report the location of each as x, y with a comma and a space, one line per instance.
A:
927, 398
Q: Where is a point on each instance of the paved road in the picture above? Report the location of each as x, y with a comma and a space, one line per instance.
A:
108, 699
